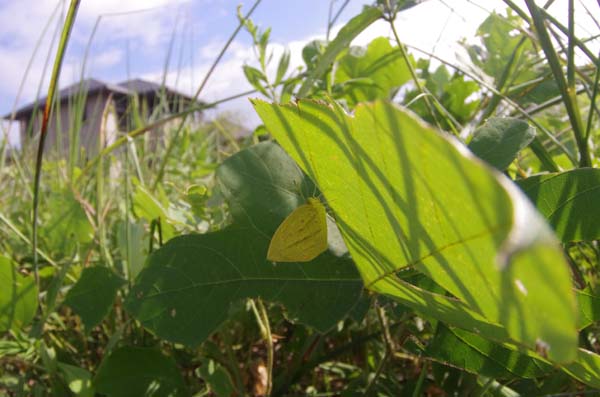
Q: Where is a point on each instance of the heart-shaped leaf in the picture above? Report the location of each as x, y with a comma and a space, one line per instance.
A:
93, 294
184, 292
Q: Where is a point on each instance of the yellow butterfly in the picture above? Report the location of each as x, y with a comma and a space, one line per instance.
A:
302, 236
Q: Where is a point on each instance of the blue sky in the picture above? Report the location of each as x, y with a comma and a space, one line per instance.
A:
131, 42
135, 42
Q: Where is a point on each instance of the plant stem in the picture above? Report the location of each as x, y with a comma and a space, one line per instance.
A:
420, 88
60, 52
568, 93
263, 322
173, 140
389, 347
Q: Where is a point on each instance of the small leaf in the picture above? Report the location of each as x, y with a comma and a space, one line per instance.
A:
255, 77
312, 51
139, 372
132, 245
18, 297
500, 140
282, 67
570, 201
79, 380
94, 294
152, 206
217, 378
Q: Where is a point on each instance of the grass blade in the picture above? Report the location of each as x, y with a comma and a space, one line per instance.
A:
60, 52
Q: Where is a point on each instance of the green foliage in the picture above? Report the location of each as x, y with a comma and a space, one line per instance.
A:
457, 96
184, 292
339, 44
217, 378
18, 297
138, 371
500, 140
77, 379
460, 247
153, 207
369, 74
569, 201
67, 225
93, 294
480, 356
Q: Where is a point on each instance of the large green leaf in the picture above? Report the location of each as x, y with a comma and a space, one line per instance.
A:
380, 64
185, 291
499, 140
139, 372
570, 201
93, 294
18, 297
405, 196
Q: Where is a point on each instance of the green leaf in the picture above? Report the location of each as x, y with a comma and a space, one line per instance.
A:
570, 201
217, 378
312, 51
589, 308
256, 78
500, 45
406, 196
282, 67
79, 380
184, 292
67, 224
586, 368
132, 246
94, 294
500, 140
381, 63
139, 371
479, 356
149, 207
340, 43
18, 297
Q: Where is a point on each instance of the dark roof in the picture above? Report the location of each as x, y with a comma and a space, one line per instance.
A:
145, 87
91, 86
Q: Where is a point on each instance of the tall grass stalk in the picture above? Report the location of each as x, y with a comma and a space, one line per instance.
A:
173, 141
568, 94
62, 46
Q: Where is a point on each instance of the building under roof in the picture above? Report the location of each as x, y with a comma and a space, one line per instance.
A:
80, 108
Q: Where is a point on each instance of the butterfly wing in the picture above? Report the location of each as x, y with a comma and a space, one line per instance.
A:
302, 236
